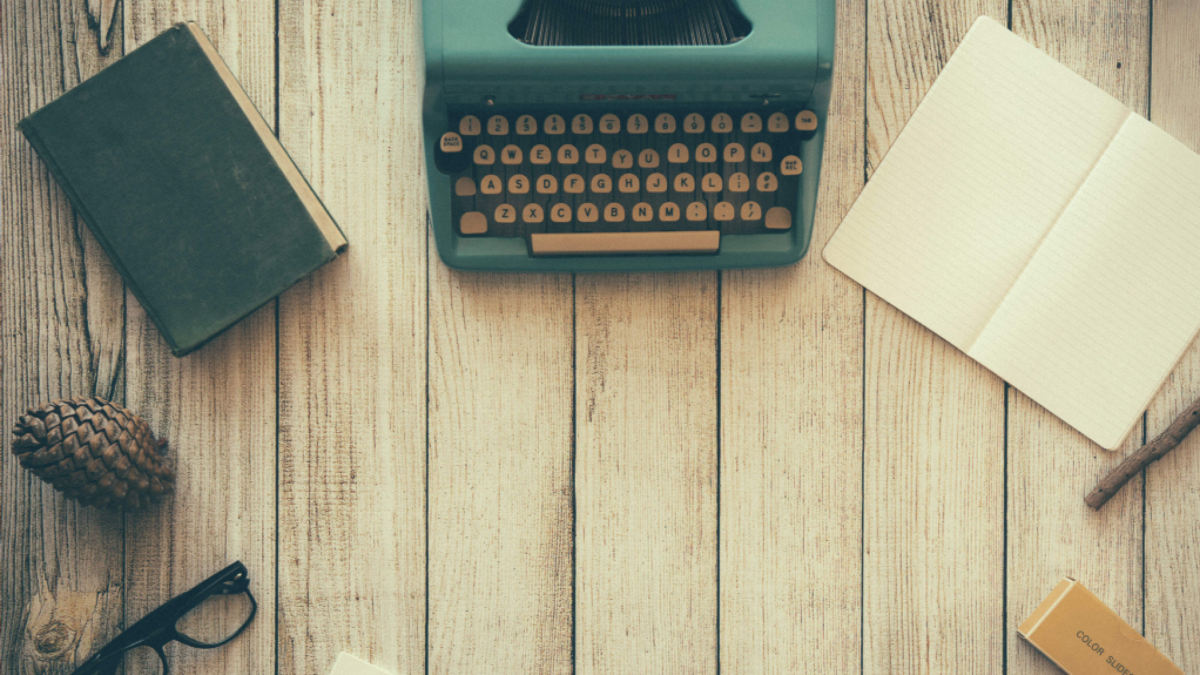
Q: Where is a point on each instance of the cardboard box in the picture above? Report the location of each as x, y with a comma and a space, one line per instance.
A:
1081, 635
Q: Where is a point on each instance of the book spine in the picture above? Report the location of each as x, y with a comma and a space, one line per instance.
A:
28, 127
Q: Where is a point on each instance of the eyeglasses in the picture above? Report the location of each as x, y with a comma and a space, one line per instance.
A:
210, 615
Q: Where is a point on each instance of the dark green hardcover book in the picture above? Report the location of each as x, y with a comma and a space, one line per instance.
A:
184, 185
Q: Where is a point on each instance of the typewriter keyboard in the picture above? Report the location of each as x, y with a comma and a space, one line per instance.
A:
635, 182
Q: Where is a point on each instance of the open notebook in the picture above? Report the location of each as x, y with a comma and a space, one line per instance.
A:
1040, 226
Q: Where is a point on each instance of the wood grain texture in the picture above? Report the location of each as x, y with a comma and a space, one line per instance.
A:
352, 344
1050, 465
216, 407
61, 321
791, 429
646, 473
933, 494
500, 469
1173, 484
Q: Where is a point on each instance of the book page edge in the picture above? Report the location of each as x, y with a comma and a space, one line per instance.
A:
320, 215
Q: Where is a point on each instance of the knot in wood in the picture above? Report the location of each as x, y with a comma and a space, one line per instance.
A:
52, 639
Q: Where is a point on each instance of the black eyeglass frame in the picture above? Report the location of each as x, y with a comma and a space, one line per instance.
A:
157, 629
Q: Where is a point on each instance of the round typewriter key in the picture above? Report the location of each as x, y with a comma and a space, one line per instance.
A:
791, 166
678, 154
778, 123
484, 155
706, 152
511, 155
722, 123
560, 213
767, 182
588, 213
595, 154
506, 213
637, 124
723, 211
491, 185
751, 123
574, 184
711, 183
648, 159
668, 212
582, 124
629, 183
526, 125
614, 213
555, 125
518, 185
532, 213
449, 156
751, 211
734, 153
469, 126
693, 124
498, 125
464, 187
656, 182
547, 185
568, 154
451, 142
622, 159
779, 218
806, 121
540, 154
664, 123
739, 182
473, 223
642, 212
761, 152
610, 124
685, 183
697, 211
601, 184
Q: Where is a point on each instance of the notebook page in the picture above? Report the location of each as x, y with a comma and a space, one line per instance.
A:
974, 181
1111, 299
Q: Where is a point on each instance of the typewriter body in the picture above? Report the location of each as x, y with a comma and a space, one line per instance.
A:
610, 135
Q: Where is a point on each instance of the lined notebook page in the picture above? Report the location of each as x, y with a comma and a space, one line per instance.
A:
974, 181
1111, 300
1037, 224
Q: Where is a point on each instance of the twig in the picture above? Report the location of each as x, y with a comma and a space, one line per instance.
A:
1149, 454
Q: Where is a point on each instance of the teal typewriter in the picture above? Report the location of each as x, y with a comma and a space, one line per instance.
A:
625, 135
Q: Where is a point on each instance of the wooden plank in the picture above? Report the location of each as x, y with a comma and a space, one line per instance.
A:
791, 428
352, 344
1051, 532
500, 432
61, 320
933, 489
216, 408
1173, 484
646, 473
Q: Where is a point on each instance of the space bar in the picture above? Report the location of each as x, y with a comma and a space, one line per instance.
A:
618, 243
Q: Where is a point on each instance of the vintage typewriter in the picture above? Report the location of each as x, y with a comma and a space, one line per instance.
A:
593, 135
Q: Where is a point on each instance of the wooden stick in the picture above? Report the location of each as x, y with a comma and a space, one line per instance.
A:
1149, 454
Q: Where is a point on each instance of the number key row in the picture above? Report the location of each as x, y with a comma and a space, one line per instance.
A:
582, 124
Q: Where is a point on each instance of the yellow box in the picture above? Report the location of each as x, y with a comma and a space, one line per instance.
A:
1079, 633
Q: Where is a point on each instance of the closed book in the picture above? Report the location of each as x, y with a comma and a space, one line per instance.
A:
185, 186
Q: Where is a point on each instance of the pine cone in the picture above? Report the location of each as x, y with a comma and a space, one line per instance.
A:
94, 451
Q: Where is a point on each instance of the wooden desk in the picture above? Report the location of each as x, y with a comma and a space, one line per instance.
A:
756, 472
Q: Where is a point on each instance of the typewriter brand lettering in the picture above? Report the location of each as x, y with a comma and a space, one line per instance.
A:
627, 97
